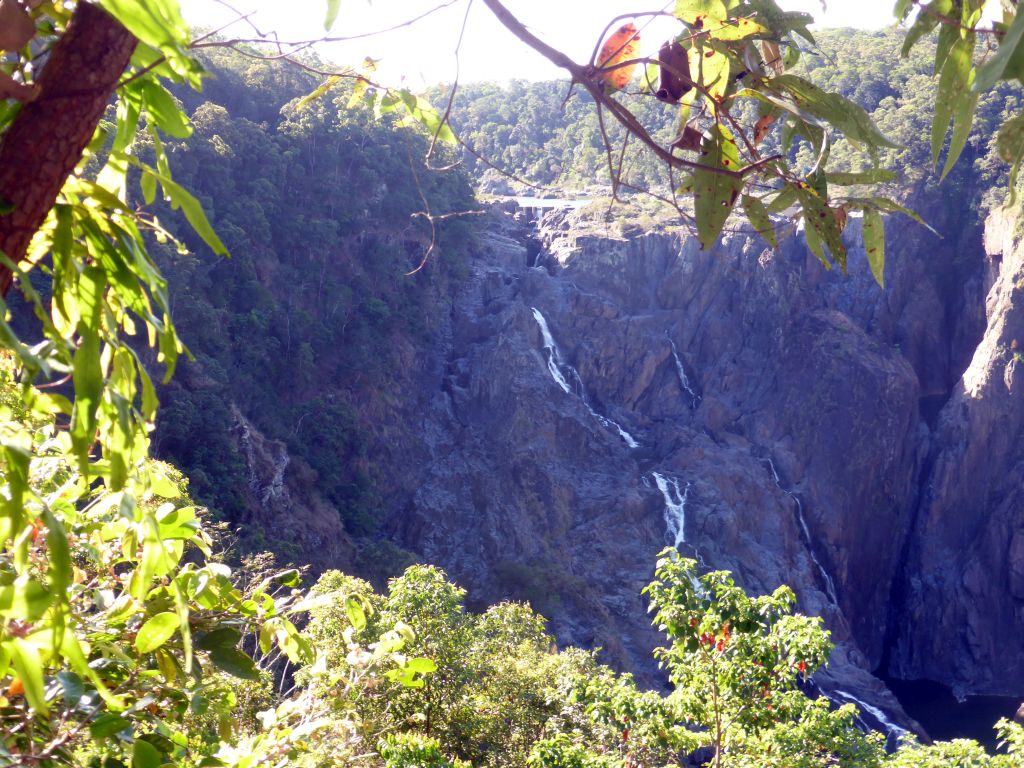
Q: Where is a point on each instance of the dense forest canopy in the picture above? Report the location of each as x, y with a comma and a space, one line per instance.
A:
124, 638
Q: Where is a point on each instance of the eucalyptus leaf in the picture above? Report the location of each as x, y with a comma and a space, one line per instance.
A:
156, 631
874, 244
234, 662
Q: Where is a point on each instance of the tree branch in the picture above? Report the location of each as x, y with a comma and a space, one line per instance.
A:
583, 76
45, 141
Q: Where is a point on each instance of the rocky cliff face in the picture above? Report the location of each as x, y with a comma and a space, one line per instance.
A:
601, 396
593, 397
960, 609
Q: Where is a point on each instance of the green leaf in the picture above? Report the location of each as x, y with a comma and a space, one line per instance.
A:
995, 68
87, 373
288, 578
420, 111
355, 613
181, 198
738, 29
1010, 139
319, 92
927, 19
60, 572
874, 244
234, 662
710, 70
705, 10
333, 6
222, 637
28, 664
963, 119
954, 99
421, 665
902, 9
156, 22
145, 755
1010, 145
159, 26
847, 116
73, 687
363, 82
107, 725
821, 226
783, 200
891, 206
759, 219
164, 110
25, 599
715, 193
6, 206
157, 631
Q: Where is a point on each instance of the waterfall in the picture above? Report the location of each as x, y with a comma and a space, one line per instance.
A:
554, 357
830, 587
683, 378
890, 727
556, 366
675, 507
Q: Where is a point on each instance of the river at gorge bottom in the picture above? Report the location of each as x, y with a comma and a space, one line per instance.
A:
935, 707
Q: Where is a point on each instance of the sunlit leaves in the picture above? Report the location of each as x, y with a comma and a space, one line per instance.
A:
709, 68
1010, 145
419, 111
182, 199
164, 111
759, 219
821, 225
703, 11
716, 184
333, 7
874, 244
954, 101
927, 19
156, 631
739, 29
834, 109
1010, 47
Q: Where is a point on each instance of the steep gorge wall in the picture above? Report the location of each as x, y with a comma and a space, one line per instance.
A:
585, 398
960, 612
790, 408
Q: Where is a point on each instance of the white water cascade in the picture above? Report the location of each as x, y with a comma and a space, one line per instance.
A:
556, 366
675, 507
830, 587
554, 357
683, 378
890, 727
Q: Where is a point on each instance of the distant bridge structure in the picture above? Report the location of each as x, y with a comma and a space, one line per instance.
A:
533, 208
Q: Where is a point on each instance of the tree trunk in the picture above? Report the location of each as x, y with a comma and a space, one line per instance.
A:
45, 141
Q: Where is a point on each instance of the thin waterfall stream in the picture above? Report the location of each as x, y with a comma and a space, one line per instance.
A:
558, 368
675, 507
684, 380
830, 587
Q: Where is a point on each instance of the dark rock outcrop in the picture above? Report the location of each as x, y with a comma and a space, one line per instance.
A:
961, 615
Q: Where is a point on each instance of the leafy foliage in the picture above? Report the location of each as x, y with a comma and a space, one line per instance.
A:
309, 319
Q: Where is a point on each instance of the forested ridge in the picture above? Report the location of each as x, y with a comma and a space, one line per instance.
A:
548, 134
308, 318
145, 623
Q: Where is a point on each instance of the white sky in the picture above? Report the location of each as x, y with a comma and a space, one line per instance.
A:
424, 52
